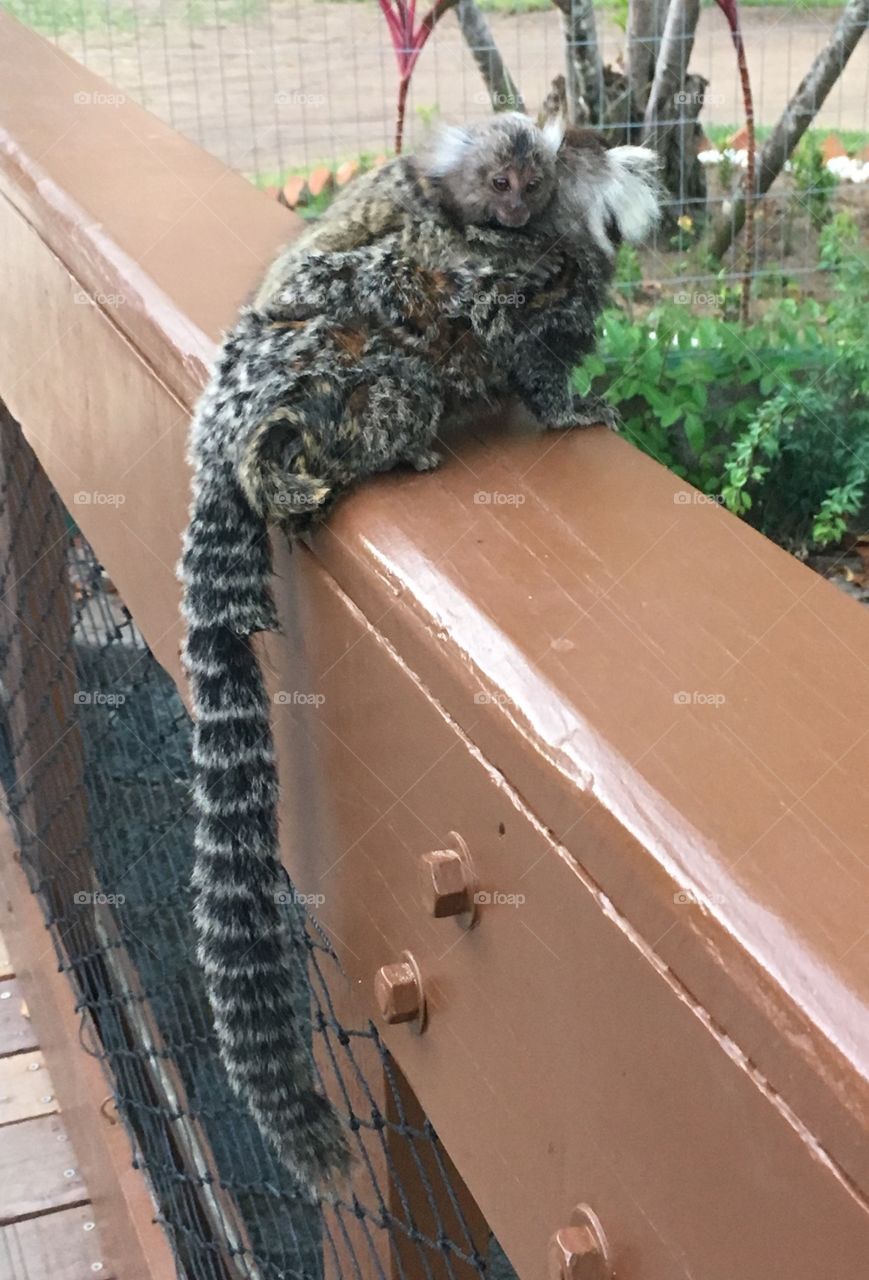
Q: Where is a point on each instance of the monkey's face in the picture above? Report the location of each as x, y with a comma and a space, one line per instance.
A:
515, 193
500, 174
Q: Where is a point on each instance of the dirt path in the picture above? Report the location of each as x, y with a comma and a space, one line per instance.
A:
307, 81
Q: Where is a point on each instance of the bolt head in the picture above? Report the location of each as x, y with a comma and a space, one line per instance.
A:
397, 992
575, 1254
446, 883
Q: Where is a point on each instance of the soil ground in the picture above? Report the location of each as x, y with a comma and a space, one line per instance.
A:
296, 82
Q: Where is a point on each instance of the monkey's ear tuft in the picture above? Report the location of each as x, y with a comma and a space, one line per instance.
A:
447, 150
633, 191
553, 133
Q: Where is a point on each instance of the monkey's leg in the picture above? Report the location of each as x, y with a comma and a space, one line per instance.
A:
400, 418
544, 387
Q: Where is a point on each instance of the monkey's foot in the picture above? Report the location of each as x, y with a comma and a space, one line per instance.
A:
592, 411
424, 459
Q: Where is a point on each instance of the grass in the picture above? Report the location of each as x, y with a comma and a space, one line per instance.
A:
851, 139
57, 17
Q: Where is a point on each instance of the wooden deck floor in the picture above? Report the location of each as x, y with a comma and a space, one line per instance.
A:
47, 1227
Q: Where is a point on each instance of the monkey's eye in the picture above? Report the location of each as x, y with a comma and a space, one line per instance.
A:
532, 185
501, 184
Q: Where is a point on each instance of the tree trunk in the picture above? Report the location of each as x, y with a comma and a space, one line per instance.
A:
585, 83
645, 30
670, 72
799, 114
500, 86
683, 174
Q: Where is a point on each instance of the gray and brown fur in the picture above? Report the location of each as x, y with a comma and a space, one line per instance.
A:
409, 300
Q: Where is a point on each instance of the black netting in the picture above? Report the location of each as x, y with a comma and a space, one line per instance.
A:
94, 749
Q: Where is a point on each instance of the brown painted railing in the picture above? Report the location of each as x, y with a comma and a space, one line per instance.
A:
646, 722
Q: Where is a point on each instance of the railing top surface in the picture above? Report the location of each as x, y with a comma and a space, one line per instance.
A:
611, 644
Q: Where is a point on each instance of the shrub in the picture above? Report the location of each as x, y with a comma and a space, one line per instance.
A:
774, 417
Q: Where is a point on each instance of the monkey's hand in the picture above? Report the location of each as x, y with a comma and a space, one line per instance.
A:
544, 388
591, 411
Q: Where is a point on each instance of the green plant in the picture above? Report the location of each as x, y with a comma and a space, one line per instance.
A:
814, 184
772, 418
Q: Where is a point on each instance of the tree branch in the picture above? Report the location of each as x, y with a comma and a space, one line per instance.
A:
671, 69
500, 86
799, 114
585, 88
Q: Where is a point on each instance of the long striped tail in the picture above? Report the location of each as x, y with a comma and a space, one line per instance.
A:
258, 994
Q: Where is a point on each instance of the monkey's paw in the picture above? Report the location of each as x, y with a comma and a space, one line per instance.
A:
592, 411
424, 459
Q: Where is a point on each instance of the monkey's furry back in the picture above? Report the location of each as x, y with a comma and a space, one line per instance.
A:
344, 366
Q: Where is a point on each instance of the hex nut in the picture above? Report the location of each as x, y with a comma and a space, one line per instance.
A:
397, 992
447, 883
575, 1254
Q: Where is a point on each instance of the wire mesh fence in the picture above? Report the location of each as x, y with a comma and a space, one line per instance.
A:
94, 752
280, 87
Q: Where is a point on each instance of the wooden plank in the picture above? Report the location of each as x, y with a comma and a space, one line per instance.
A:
6, 970
675, 1017
25, 1088
16, 1032
57, 1246
135, 1245
38, 1171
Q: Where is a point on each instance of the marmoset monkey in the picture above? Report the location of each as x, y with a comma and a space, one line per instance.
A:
474, 273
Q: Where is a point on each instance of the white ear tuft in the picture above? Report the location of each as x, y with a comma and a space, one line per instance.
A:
553, 133
633, 191
447, 151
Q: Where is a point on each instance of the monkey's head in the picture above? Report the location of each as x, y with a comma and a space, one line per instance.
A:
613, 193
500, 173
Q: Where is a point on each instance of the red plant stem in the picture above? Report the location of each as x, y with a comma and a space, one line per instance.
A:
750, 178
403, 86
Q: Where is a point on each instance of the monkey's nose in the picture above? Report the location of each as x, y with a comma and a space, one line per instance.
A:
514, 217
